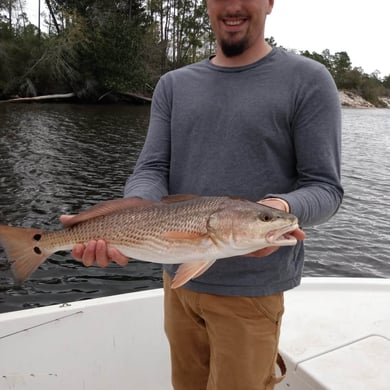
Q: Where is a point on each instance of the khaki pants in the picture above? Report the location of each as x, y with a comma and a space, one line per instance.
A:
220, 342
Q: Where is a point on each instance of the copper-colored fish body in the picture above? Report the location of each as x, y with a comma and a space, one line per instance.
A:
192, 230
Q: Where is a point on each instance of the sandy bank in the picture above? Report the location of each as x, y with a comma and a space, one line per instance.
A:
351, 99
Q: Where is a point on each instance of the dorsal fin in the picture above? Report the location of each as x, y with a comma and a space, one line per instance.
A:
108, 207
178, 198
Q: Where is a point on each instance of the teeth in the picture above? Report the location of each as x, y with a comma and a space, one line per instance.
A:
233, 22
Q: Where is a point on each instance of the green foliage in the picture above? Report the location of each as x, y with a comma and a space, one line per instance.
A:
370, 87
386, 83
115, 56
97, 46
271, 41
338, 64
188, 28
18, 49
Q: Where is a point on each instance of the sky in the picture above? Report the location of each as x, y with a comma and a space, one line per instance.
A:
359, 27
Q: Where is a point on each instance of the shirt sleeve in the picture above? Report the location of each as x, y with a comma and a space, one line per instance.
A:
317, 140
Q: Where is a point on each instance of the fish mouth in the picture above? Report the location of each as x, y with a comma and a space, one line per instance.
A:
282, 236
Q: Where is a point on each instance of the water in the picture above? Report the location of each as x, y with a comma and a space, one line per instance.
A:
356, 242
57, 159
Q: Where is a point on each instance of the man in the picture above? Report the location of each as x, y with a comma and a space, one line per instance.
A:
253, 122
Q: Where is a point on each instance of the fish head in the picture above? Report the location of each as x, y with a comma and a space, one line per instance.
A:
249, 226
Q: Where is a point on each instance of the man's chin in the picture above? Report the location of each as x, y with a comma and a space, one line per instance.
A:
233, 49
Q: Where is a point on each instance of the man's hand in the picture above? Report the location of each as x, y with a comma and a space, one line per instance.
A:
96, 252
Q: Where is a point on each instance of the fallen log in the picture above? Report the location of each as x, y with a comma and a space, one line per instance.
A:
129, 97
59, 96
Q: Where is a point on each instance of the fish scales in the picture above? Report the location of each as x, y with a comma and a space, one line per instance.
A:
196, 231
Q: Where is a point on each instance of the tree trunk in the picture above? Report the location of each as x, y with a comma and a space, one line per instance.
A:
53, 16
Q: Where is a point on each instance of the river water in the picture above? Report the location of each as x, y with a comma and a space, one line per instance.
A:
60, 158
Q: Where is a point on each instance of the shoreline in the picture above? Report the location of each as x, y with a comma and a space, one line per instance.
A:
349, 99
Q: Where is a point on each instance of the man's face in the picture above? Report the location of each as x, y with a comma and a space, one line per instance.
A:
238, 24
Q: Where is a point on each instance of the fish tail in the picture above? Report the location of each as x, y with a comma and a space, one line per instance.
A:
23, 250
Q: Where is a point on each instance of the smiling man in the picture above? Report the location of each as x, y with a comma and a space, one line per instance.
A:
255, 122
239, 29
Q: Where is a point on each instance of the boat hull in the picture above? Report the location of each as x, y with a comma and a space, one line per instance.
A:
335, 335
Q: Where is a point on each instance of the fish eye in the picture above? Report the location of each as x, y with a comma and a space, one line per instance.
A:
264, 217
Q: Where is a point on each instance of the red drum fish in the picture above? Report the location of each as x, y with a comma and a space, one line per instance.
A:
191, 230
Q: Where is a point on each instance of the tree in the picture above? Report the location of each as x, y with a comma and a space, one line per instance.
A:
125, 45
182, 31
271, 41
386, 82
187, 31
340, 66
321, 58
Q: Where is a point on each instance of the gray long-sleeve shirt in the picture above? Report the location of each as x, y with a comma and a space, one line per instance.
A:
272, 128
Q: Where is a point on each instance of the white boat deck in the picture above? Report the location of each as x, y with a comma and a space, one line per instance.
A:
335, 335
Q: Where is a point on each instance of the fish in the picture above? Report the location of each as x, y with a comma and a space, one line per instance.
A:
190, 230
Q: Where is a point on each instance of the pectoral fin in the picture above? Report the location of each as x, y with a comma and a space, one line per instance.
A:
188, 271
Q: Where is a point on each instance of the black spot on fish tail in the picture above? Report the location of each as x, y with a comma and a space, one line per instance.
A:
37, 237
37, 250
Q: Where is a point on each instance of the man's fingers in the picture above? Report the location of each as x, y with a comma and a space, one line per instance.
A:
78, 252
95, 251
117, 257
89, 253
102, 258
65, 218
299, 234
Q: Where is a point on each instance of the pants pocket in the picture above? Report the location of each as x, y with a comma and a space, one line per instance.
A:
271, 306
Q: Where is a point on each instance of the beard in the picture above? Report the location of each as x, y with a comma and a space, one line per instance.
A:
233, 49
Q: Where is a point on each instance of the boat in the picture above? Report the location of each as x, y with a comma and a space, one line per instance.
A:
335, 335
